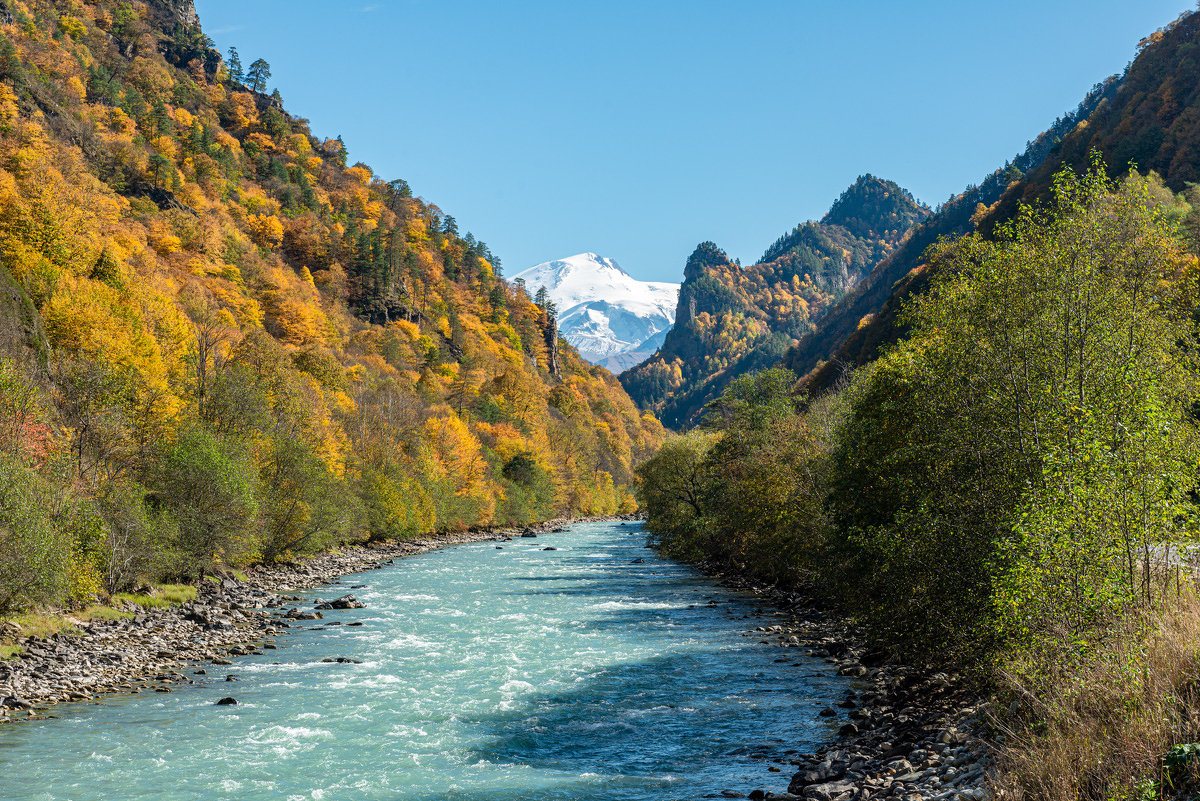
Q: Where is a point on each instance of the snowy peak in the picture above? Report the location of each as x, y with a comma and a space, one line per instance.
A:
585, 264
611, 317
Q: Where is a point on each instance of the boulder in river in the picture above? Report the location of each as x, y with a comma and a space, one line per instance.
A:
345, 602
227, 701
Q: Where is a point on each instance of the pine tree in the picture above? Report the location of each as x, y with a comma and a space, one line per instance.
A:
259, 74
234, 66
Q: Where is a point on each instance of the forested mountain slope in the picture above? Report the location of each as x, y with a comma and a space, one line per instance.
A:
1148, 118
733, 319
854, 329
1151, 121
222, 343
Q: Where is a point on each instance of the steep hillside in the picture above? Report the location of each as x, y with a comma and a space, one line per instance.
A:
221, 343
1151, 122
612, 318
1149, 117
734, 319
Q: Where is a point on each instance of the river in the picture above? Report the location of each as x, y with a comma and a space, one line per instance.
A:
594, 671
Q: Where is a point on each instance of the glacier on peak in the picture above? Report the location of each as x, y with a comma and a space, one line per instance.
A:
610, 317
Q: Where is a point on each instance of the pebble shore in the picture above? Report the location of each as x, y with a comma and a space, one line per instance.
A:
907, 734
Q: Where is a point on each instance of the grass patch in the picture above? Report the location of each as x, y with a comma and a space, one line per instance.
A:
240, 575
47, 624
161, 595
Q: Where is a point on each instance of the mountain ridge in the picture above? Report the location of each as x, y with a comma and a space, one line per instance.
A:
734, 319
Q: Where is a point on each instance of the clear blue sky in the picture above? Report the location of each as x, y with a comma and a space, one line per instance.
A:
638, 129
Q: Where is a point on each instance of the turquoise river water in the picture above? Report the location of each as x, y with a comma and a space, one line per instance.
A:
511, 673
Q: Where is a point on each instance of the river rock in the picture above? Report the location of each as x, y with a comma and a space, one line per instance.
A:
227, 702
829, 791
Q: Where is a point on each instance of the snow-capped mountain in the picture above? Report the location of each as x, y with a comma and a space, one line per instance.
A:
610, 317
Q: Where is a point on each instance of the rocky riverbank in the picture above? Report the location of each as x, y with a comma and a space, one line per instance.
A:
907, 734
157, 648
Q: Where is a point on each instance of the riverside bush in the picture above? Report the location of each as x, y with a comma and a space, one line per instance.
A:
35, 554
748, 490
208, 486
1006, 474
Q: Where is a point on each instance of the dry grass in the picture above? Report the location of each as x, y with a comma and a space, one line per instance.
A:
161, 595
1099, 733
43, 624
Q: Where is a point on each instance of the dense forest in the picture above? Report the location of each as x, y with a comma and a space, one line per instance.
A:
733, 319
221, 341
